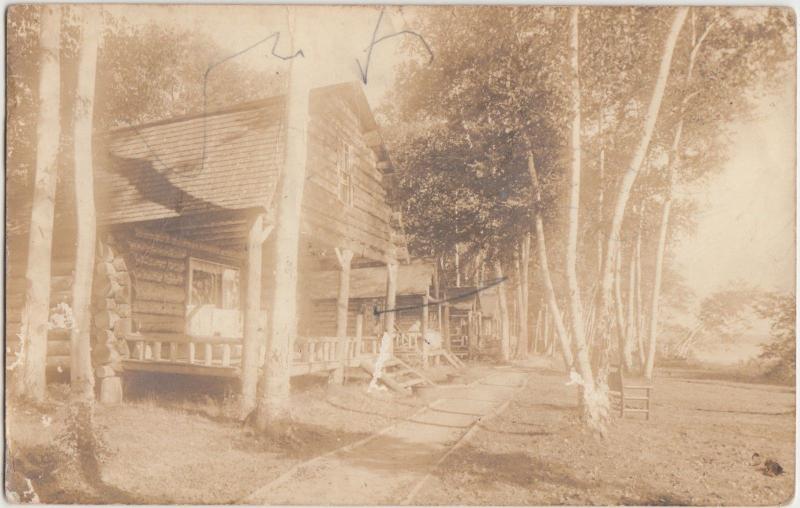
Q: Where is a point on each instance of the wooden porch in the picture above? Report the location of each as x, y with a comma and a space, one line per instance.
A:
222, 357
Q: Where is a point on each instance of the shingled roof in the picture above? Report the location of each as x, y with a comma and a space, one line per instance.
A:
221, 160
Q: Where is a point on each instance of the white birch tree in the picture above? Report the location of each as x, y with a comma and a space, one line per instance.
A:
35, 314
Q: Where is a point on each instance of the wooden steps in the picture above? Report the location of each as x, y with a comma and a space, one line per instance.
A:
398, 375
453, 359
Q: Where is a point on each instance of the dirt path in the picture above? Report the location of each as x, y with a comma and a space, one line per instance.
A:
384, 469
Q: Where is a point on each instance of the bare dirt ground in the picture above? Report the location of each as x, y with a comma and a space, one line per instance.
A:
169, 444
696, 449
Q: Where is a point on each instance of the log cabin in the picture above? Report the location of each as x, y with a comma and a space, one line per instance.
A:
184, 259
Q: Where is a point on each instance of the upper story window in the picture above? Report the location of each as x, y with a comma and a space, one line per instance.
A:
345, 162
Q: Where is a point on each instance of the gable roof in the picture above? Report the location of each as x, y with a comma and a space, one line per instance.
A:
222, 160
370, 282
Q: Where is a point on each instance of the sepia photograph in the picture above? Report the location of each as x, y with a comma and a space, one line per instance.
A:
489, 255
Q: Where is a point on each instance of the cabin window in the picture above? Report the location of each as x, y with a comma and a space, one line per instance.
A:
344, 169
213, 299
213, 284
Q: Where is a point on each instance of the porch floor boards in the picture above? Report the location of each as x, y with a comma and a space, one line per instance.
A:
199, 368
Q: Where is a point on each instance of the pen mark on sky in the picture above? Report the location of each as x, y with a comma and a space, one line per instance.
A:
375, 40
276, 36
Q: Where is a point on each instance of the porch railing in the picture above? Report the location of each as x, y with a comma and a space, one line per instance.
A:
218, 351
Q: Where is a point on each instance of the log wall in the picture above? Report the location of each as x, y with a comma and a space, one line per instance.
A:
158, 266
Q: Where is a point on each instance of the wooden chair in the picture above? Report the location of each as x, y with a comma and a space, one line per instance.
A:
631, 389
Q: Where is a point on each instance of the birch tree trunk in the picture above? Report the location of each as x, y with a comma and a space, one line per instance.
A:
595, 408
639, 307
505, 332
36, 312
522, 313
525, 333
544, 268
662, 241
600, 197
625, 359
672, 167
631, 332
628, 179
81, 375
538, 336
273, 408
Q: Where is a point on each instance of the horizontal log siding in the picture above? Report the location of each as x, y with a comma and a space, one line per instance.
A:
158, 263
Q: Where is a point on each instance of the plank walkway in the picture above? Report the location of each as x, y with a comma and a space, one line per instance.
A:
387, 468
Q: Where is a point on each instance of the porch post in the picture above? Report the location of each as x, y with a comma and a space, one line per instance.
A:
446, 325
424, 330
471, 335
367, 317
391, 297
359, 333
345, 257
253, 335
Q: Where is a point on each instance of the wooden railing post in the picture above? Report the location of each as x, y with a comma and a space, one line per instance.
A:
226, 355
359, 333
391, 298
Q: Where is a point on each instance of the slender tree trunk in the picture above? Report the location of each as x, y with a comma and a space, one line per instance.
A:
525, 259
457, 261
81, 375
595, 407
672, 167
273, 409
600, 197
544, 268
639, 307
522, 318
546, 331
36, 312
628, 179
538, 337
662, 241
682, 351
631, 332
625, 358
505, 332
